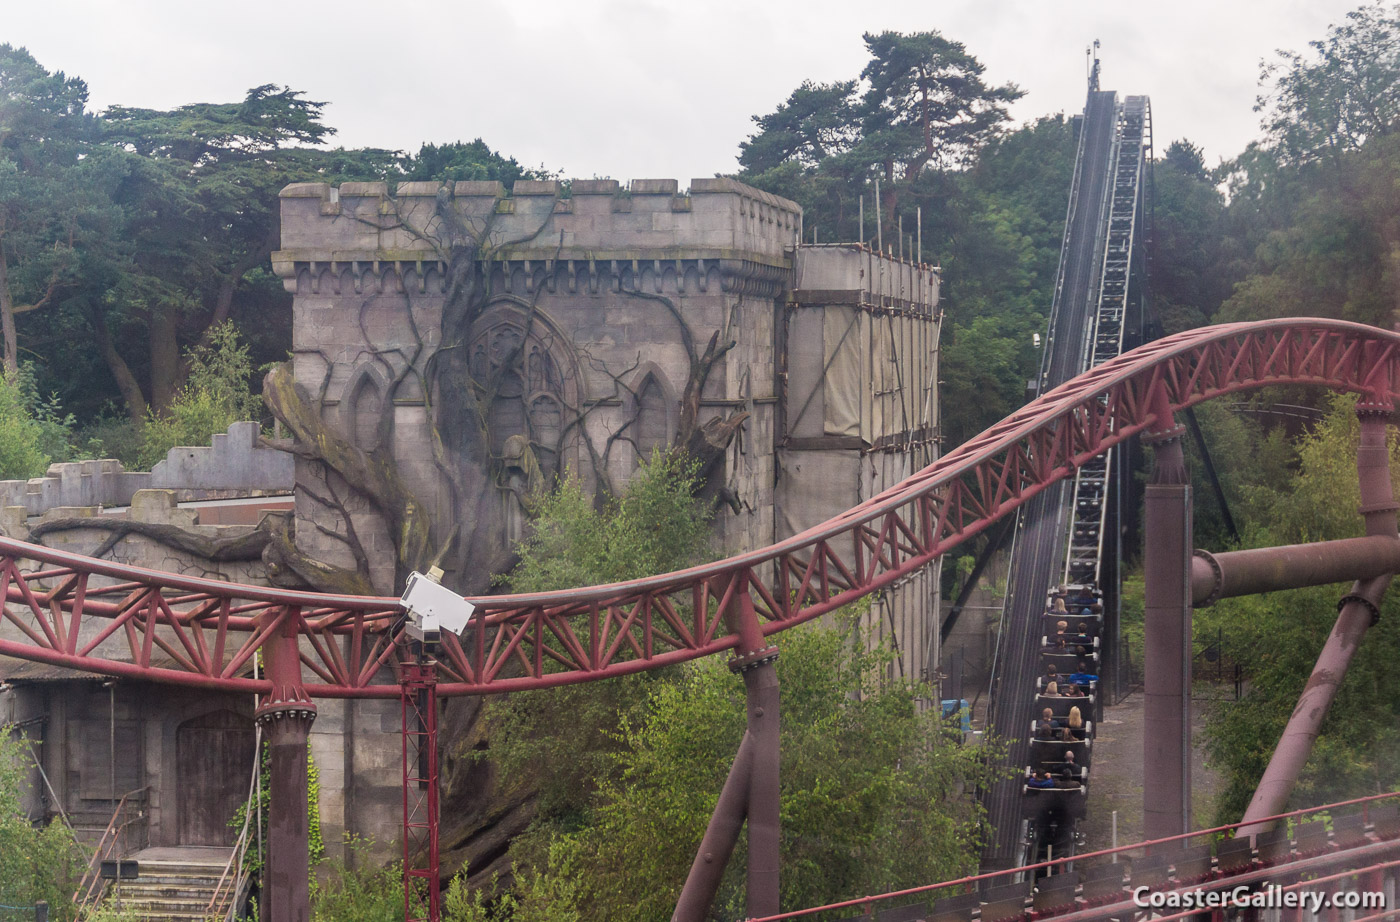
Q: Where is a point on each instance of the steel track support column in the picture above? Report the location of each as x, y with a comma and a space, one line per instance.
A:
1359, 609
286, 715
418, 703
721, 835
757, 664
751, 791
1166, 795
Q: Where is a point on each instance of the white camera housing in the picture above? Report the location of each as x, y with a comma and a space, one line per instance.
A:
433, 607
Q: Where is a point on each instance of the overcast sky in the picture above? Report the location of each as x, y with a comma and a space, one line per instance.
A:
647, 88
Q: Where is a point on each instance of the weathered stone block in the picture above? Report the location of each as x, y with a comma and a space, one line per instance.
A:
472, 187
655, 187
595, 186
535, 187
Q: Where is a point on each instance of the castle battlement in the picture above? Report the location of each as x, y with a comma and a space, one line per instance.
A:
361, 226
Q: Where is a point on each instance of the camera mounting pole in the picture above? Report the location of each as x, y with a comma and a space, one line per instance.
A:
429, 607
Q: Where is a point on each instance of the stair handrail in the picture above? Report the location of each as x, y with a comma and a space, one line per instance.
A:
231, 880
90, 886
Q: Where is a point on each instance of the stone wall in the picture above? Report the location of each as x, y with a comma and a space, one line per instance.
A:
156, 507
233, 465
599, 283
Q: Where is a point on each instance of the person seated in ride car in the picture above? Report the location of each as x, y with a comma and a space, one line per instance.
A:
1040, 780
1052, 690
1083, 676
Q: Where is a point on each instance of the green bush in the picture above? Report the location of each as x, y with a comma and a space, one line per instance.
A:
113, 436
536, 897
36, 862
656, 526
364, 893
21, 438
217, 394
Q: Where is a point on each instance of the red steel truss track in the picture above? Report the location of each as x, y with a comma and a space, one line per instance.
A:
69, 610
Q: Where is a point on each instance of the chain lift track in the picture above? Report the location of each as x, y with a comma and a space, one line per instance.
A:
1090, 505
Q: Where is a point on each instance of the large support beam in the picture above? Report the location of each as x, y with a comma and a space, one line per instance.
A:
1167, 639
721, 835
1292, 566
1359, 610
286, 715
764, 800
751, 790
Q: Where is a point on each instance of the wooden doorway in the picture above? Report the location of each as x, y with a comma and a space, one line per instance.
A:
214, 764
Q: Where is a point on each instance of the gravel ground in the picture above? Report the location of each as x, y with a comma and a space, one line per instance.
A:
1116, 776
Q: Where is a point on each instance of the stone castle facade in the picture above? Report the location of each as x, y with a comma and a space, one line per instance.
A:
601, 301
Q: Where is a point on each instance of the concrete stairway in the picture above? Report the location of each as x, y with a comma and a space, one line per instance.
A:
175, 885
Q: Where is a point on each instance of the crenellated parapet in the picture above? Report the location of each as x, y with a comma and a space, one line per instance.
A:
593, 235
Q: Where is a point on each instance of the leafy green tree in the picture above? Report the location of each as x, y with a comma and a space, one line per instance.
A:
217, 394
36, 862
1249, 456
460, 161
1192, 253
43, 124
874, 792
1340, 97
200, 196
1315, 205
998, 234
656, 526
662, 743
926, 104
920, 103
1324, 238
536, 896
557, 742
817, 122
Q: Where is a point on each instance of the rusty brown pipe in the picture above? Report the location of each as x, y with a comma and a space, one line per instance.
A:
1293, 566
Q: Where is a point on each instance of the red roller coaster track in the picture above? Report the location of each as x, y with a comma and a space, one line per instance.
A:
74, 611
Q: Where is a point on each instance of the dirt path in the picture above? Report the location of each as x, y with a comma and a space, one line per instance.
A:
1116, 776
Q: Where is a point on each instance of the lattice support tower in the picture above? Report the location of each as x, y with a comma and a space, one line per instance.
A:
418, 700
